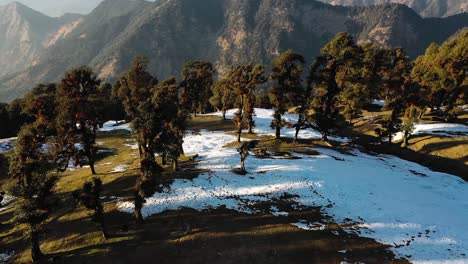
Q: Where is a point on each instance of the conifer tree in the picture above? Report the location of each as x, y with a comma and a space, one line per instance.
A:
243, 81
286, 73
78, 114
397, 84
30, 170
197, 80
136, 88
223, 98
173, 117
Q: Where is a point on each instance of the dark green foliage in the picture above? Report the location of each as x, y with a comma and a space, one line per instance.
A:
223, 96
136, 88
286, 73
173, 117
243, 81
79, 115
442, 75
89, 197
197, 81
397, 86
263, 99
32, 183
111, 107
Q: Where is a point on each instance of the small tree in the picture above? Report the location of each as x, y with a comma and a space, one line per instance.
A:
89, 197
407, 128
197, 80
286, 72
78, 113
223, 98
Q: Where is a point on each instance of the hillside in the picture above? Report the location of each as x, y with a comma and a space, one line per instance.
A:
25, 33
227, 32
425, 8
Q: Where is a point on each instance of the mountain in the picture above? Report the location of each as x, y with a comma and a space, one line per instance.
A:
25, 33
225, 32
426, 8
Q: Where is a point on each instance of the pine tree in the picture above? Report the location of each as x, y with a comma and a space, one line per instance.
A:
197, 80
243, 81
398, 83
136, 89
173, 116
286, 73
223, 97
30, 170
78, 114
89, 197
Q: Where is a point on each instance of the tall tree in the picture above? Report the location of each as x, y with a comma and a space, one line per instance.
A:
136, 88
78, 112
286, 73
173, 117
398, 83
243, 81
30, 169
442, 74
197, 79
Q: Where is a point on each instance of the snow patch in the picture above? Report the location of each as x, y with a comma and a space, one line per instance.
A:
120, 168
115, 125
439, 129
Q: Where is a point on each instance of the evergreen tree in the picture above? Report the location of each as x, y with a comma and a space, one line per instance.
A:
324, 95
286, 73
78, 114
398, 83
89, 197
197, 80
243, 81
30, 166
173, 116
442, 74
223, 97
136, 89
263, 99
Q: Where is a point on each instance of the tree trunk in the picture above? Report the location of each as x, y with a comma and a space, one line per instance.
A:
36, 253
325, 136
298, 128
138, 206
163, 158
406, 140
243, 171
91, 165
239, 132
224, 114
102, 224
175, 164
251, 122
390, 138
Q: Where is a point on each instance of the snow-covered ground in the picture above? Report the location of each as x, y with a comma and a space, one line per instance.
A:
7, 144
4, 257
115, 125
263, 119
439, 129
423, 214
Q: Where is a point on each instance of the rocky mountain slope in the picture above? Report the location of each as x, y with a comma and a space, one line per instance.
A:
25, 33
426, 8
225, 32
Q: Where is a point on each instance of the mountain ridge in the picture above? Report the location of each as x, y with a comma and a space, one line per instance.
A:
225, 32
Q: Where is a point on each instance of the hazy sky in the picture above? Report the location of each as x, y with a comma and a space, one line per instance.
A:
59, 7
